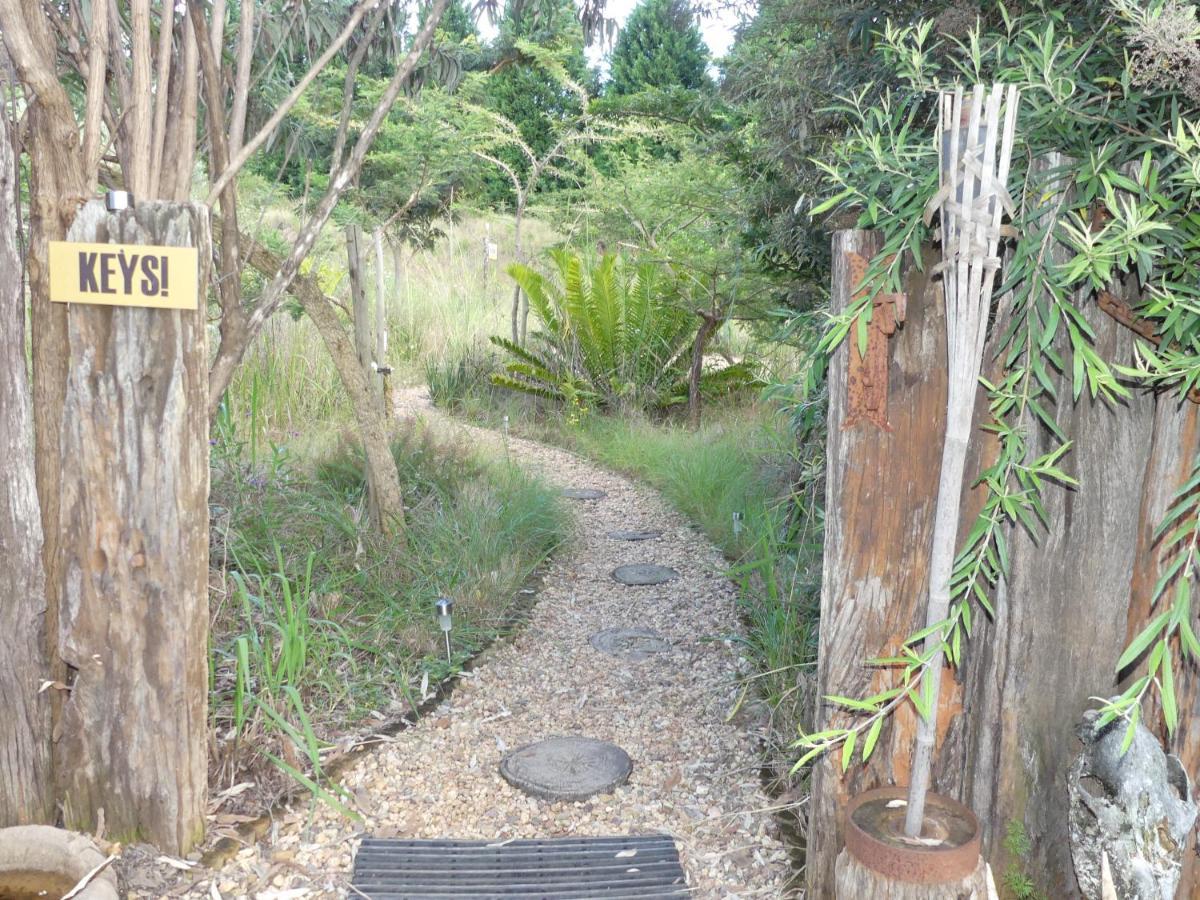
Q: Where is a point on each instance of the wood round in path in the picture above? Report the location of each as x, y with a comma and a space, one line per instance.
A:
584, 493
946, 853
634, 535
567, 768
634, 644
644, 573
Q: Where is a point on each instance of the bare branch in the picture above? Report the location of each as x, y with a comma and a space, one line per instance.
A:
228, 356
138, 156
241, 83
339, 144
502, 165
245, 152
162, 93
94, 105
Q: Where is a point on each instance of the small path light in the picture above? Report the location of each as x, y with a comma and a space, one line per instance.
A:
737, 524
445, 606
115, 201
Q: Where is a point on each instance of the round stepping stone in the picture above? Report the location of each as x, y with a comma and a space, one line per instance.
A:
634, 535
634, 644
566, 768
644, 573
585, 493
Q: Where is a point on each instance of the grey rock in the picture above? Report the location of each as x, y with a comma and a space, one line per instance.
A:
1136, 807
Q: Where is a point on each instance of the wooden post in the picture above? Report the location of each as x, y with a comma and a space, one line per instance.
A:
854, 881
1027, 676
880, 489
26, 782
381, 336
358, 298
133, 539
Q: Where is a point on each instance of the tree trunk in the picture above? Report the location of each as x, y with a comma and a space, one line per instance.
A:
134, 524
1027, 677
854, 881
26, 778
383, 478
359, 308
708, 325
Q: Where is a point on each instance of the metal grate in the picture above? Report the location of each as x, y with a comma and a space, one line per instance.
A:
616, 868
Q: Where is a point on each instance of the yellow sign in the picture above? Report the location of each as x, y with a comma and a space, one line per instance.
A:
124, 275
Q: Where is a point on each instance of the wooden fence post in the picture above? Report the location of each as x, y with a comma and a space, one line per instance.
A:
26, 783
381, 335
880, 490
133, 536
1076, 591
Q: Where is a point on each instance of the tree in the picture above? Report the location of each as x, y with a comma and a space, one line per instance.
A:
521, 90
496, 137
152, 73
659, 47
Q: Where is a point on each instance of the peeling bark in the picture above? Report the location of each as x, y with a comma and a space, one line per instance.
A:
133, 630
26, 781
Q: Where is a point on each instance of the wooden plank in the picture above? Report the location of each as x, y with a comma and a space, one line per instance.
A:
26, 785
133, 531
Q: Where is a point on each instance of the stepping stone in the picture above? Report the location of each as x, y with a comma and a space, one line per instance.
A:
645, 866
634, 644
644, 573
566, 768
634, 535
584, 493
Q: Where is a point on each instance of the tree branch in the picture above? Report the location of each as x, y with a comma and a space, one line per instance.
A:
243, 154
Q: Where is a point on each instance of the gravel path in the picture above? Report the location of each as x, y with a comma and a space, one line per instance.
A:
695, 776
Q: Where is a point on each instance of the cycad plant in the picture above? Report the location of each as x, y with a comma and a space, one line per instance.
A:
616, 334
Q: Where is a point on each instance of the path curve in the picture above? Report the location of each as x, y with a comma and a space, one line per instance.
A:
695, 776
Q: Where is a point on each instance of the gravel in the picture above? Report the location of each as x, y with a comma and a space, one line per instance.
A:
695, 775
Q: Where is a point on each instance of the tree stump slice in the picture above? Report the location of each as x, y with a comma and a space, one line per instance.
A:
854, 881
621, 535
567, 768
584, 493
638, 574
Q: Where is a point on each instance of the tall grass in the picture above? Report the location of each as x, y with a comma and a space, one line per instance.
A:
441, 302
320, 625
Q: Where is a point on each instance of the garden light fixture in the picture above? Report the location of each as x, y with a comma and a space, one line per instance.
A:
115, 201
445, 606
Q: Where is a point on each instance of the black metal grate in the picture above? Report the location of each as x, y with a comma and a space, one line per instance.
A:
616, 868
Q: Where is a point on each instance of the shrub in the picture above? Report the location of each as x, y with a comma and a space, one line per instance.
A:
616, 334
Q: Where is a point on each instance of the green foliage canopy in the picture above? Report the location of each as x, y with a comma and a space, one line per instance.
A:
659, 47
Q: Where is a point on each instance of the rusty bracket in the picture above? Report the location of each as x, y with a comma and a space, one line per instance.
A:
867, 375
1119, 310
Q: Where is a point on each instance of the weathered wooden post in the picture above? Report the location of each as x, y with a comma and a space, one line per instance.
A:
381, 368
360, 308
133, 523
26, 789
